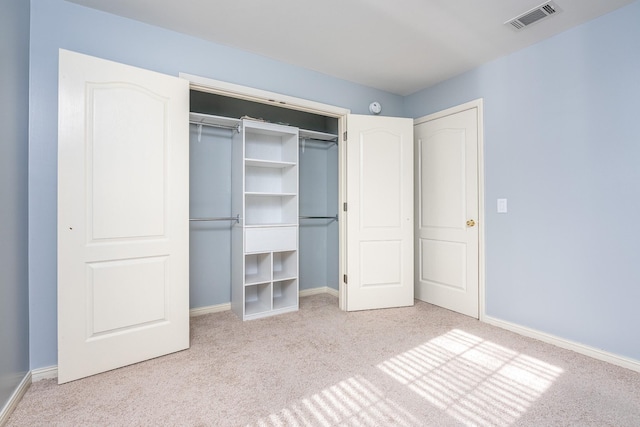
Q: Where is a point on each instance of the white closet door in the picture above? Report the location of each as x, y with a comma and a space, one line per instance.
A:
123, 225
379, 212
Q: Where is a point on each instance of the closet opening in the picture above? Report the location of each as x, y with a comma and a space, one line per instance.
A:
214, 121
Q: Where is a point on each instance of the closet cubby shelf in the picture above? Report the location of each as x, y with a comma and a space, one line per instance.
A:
258, 299
257, 268
285, 265
283, 278
251, 280
285, 294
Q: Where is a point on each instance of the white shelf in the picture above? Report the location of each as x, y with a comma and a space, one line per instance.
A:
265, 194
268, 163
211, 120
271, 180
270, 143
254, 279
270, 225
319, 136
266, 209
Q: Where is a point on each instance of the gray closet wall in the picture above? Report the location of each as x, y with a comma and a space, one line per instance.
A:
210, 196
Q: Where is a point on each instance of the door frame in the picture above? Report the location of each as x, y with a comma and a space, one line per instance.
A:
478, 105
231, 90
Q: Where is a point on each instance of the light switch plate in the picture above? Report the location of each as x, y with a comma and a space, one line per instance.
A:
502, 205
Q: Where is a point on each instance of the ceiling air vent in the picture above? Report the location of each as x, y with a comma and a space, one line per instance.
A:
534, 15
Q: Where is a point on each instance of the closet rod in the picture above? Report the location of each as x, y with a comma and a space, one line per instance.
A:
326, 141
335, 218
236, 127
225, 218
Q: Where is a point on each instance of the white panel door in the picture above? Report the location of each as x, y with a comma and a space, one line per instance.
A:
447, 211
123, 225
379, 212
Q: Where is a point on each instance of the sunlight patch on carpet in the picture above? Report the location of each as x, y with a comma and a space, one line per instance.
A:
354, 401
473, 380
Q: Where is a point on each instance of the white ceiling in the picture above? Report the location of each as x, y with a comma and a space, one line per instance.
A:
400, 46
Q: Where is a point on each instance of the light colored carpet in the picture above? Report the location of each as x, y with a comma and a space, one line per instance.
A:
416, 366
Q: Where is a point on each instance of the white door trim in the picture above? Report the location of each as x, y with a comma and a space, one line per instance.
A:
478, 104
232, 90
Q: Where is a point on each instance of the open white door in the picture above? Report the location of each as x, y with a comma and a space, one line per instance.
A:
123, 224
379, 212
447, 209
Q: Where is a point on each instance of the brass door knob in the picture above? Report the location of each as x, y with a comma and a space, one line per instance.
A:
471, 223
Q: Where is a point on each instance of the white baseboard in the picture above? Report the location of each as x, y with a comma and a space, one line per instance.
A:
319, 290
596, 353
44, 373
209, 309
15, 398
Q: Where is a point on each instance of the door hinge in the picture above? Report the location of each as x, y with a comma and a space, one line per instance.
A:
344, 278
344, 136
344, 206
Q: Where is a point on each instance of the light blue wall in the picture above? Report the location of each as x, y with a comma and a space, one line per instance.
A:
14, 110
561, 144
57, 24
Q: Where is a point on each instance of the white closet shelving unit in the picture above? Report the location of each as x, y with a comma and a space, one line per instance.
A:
264, 271
265, 234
